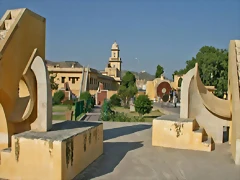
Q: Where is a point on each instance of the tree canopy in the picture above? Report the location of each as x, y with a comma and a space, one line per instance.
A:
159, 71
143, 105
54, 85
128, 87
213, 68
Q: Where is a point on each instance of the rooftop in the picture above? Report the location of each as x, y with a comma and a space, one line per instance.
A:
64, 64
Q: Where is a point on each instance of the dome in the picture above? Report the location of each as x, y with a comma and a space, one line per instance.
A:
115, 45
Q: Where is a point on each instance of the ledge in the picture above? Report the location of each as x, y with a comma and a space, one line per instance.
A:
60, 131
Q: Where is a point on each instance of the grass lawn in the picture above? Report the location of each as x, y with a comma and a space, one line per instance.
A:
148, 117
61, 108
58, 117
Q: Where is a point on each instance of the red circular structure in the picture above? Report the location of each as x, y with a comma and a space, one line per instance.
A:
163, 88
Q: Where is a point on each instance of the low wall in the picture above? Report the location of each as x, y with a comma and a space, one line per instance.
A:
61, 153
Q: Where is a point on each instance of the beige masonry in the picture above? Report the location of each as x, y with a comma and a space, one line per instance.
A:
200, 106
31, 147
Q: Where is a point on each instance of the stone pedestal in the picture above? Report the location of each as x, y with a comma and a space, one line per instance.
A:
61, 153
174, 132
132, 108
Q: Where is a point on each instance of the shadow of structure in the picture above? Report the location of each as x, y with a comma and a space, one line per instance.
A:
151, 116
72, 125
114, 152
125, 130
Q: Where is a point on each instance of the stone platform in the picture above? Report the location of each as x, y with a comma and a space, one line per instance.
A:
174, 132
61, 153
129, 155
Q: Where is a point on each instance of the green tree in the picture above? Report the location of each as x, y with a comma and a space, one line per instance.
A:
85, 96
159, 71
58, 97
143, 105
213, 68
54, 85
128, 87
115, 100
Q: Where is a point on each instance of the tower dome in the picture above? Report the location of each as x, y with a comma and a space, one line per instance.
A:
115, 45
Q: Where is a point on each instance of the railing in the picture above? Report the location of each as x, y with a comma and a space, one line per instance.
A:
83, 107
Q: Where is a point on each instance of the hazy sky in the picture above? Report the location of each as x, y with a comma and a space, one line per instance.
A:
165, 32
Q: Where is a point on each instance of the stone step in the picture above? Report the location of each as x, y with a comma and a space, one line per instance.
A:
201, 134
15, 13
5, 154
8, 23
207, 142
3, 34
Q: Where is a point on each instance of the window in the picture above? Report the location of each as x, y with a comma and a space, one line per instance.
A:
73, 80
63, 79
114, 54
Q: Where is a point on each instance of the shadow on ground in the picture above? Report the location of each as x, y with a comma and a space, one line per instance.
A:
72, 125
113, 154
125, 130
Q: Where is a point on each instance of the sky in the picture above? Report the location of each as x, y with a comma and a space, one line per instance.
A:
165, 32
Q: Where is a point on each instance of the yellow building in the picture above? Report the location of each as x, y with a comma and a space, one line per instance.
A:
114, 66
70, 74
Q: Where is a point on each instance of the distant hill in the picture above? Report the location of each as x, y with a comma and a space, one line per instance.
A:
142, 75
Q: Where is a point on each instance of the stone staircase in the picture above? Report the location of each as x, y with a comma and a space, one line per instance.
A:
7, 21
172, 131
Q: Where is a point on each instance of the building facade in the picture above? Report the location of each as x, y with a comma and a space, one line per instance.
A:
72, 73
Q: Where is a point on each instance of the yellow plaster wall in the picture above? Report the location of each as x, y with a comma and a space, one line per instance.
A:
40, 159
150, 90
74, 86
93, 80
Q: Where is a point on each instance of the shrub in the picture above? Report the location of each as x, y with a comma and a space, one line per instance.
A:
85, 96
143, 105
58, 97
115, 100
92, 102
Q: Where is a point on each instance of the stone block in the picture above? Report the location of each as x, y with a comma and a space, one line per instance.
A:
173, 132
61, 153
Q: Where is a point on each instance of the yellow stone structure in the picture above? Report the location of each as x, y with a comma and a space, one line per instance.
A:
174, 132
211, 113
152, 87
31, 147
72, 73
114, 67
82, 79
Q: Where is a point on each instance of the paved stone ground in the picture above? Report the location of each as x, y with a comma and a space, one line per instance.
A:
167, 108
94, 115
129, 155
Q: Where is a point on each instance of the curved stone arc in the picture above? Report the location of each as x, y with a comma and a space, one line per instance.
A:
4, 136
23, 106
214, 104
44, 98
233, 96
184, 110
30, 81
